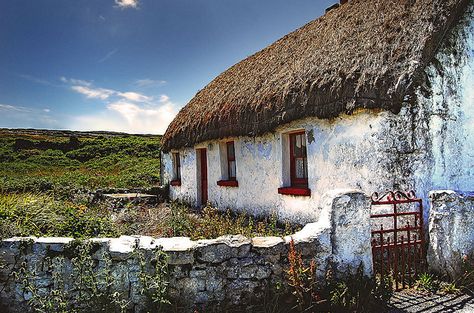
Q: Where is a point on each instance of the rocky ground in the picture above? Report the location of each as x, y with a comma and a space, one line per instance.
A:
411, 301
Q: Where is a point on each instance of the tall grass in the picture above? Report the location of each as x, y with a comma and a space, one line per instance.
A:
33, 214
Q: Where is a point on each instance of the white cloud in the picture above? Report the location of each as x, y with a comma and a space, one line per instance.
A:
94, 93
133, 96
124, 4
108, 55
13, 108
20, 116
85, 88
36, 80
130, 117
75, 81
146, 82
129, 111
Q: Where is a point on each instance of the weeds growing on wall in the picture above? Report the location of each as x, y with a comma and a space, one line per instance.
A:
86, 284
355, 293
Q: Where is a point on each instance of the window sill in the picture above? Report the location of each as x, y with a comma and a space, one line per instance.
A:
176, 182
295, 191
228, 183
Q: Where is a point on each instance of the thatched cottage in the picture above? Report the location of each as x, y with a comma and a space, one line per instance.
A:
374, 95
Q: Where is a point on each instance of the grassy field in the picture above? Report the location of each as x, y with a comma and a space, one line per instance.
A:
44, 161
43, 175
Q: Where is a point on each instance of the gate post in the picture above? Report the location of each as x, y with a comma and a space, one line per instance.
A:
350, 231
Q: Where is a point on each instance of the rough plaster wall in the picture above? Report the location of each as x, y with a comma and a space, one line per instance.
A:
451, 123
451, 230
428, 145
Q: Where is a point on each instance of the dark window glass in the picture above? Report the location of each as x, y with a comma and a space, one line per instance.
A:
176, 166
231, 160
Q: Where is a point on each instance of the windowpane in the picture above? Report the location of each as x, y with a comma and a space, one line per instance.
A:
232, 173
298, 141
301, 170
230, 151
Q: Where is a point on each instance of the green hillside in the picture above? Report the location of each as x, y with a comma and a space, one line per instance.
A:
40, 160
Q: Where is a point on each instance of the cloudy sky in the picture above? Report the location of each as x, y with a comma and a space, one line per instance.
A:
126, 65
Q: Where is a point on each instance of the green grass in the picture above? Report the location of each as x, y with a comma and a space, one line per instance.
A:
35, 214
31, 214
51, 162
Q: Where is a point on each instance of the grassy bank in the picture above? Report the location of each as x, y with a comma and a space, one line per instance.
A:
40, 161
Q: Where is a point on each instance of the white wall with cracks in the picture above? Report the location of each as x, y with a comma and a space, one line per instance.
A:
428, 145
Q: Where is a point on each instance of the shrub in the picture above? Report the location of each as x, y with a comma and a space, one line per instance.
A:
427, 282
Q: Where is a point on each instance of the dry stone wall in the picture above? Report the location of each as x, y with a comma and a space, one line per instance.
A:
230, 269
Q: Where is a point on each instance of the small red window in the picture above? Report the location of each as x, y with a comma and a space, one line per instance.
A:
298, 160
176, 167
231, 161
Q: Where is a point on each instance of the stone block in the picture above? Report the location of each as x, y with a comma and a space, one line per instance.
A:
55, 244
121, 248
223, 248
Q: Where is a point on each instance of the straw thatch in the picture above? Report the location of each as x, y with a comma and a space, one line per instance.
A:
364, 54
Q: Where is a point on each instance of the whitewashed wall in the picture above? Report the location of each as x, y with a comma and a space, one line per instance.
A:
428, 145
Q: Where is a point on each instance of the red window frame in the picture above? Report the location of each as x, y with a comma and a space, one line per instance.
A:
230, 145
298, 182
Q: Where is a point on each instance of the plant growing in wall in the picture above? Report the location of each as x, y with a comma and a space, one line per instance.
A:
80, 283
302, 280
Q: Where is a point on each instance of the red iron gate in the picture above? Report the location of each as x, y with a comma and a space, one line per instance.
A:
398, 243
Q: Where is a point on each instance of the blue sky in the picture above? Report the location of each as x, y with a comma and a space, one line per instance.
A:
127, 65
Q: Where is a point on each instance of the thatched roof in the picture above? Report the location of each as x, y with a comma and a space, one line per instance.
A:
364, 54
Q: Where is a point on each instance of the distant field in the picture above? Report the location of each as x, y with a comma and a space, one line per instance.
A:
37, 160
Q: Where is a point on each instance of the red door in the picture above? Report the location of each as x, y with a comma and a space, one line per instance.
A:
203, 176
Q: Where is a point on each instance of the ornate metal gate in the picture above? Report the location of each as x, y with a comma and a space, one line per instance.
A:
398, 243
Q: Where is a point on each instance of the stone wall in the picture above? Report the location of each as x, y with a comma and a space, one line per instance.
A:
229, 269
451, 231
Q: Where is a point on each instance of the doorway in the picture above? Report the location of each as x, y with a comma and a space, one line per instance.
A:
202, 176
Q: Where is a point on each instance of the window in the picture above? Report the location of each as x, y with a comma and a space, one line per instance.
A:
176, 170
231, 160
298, 160
295, 165
228, 165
